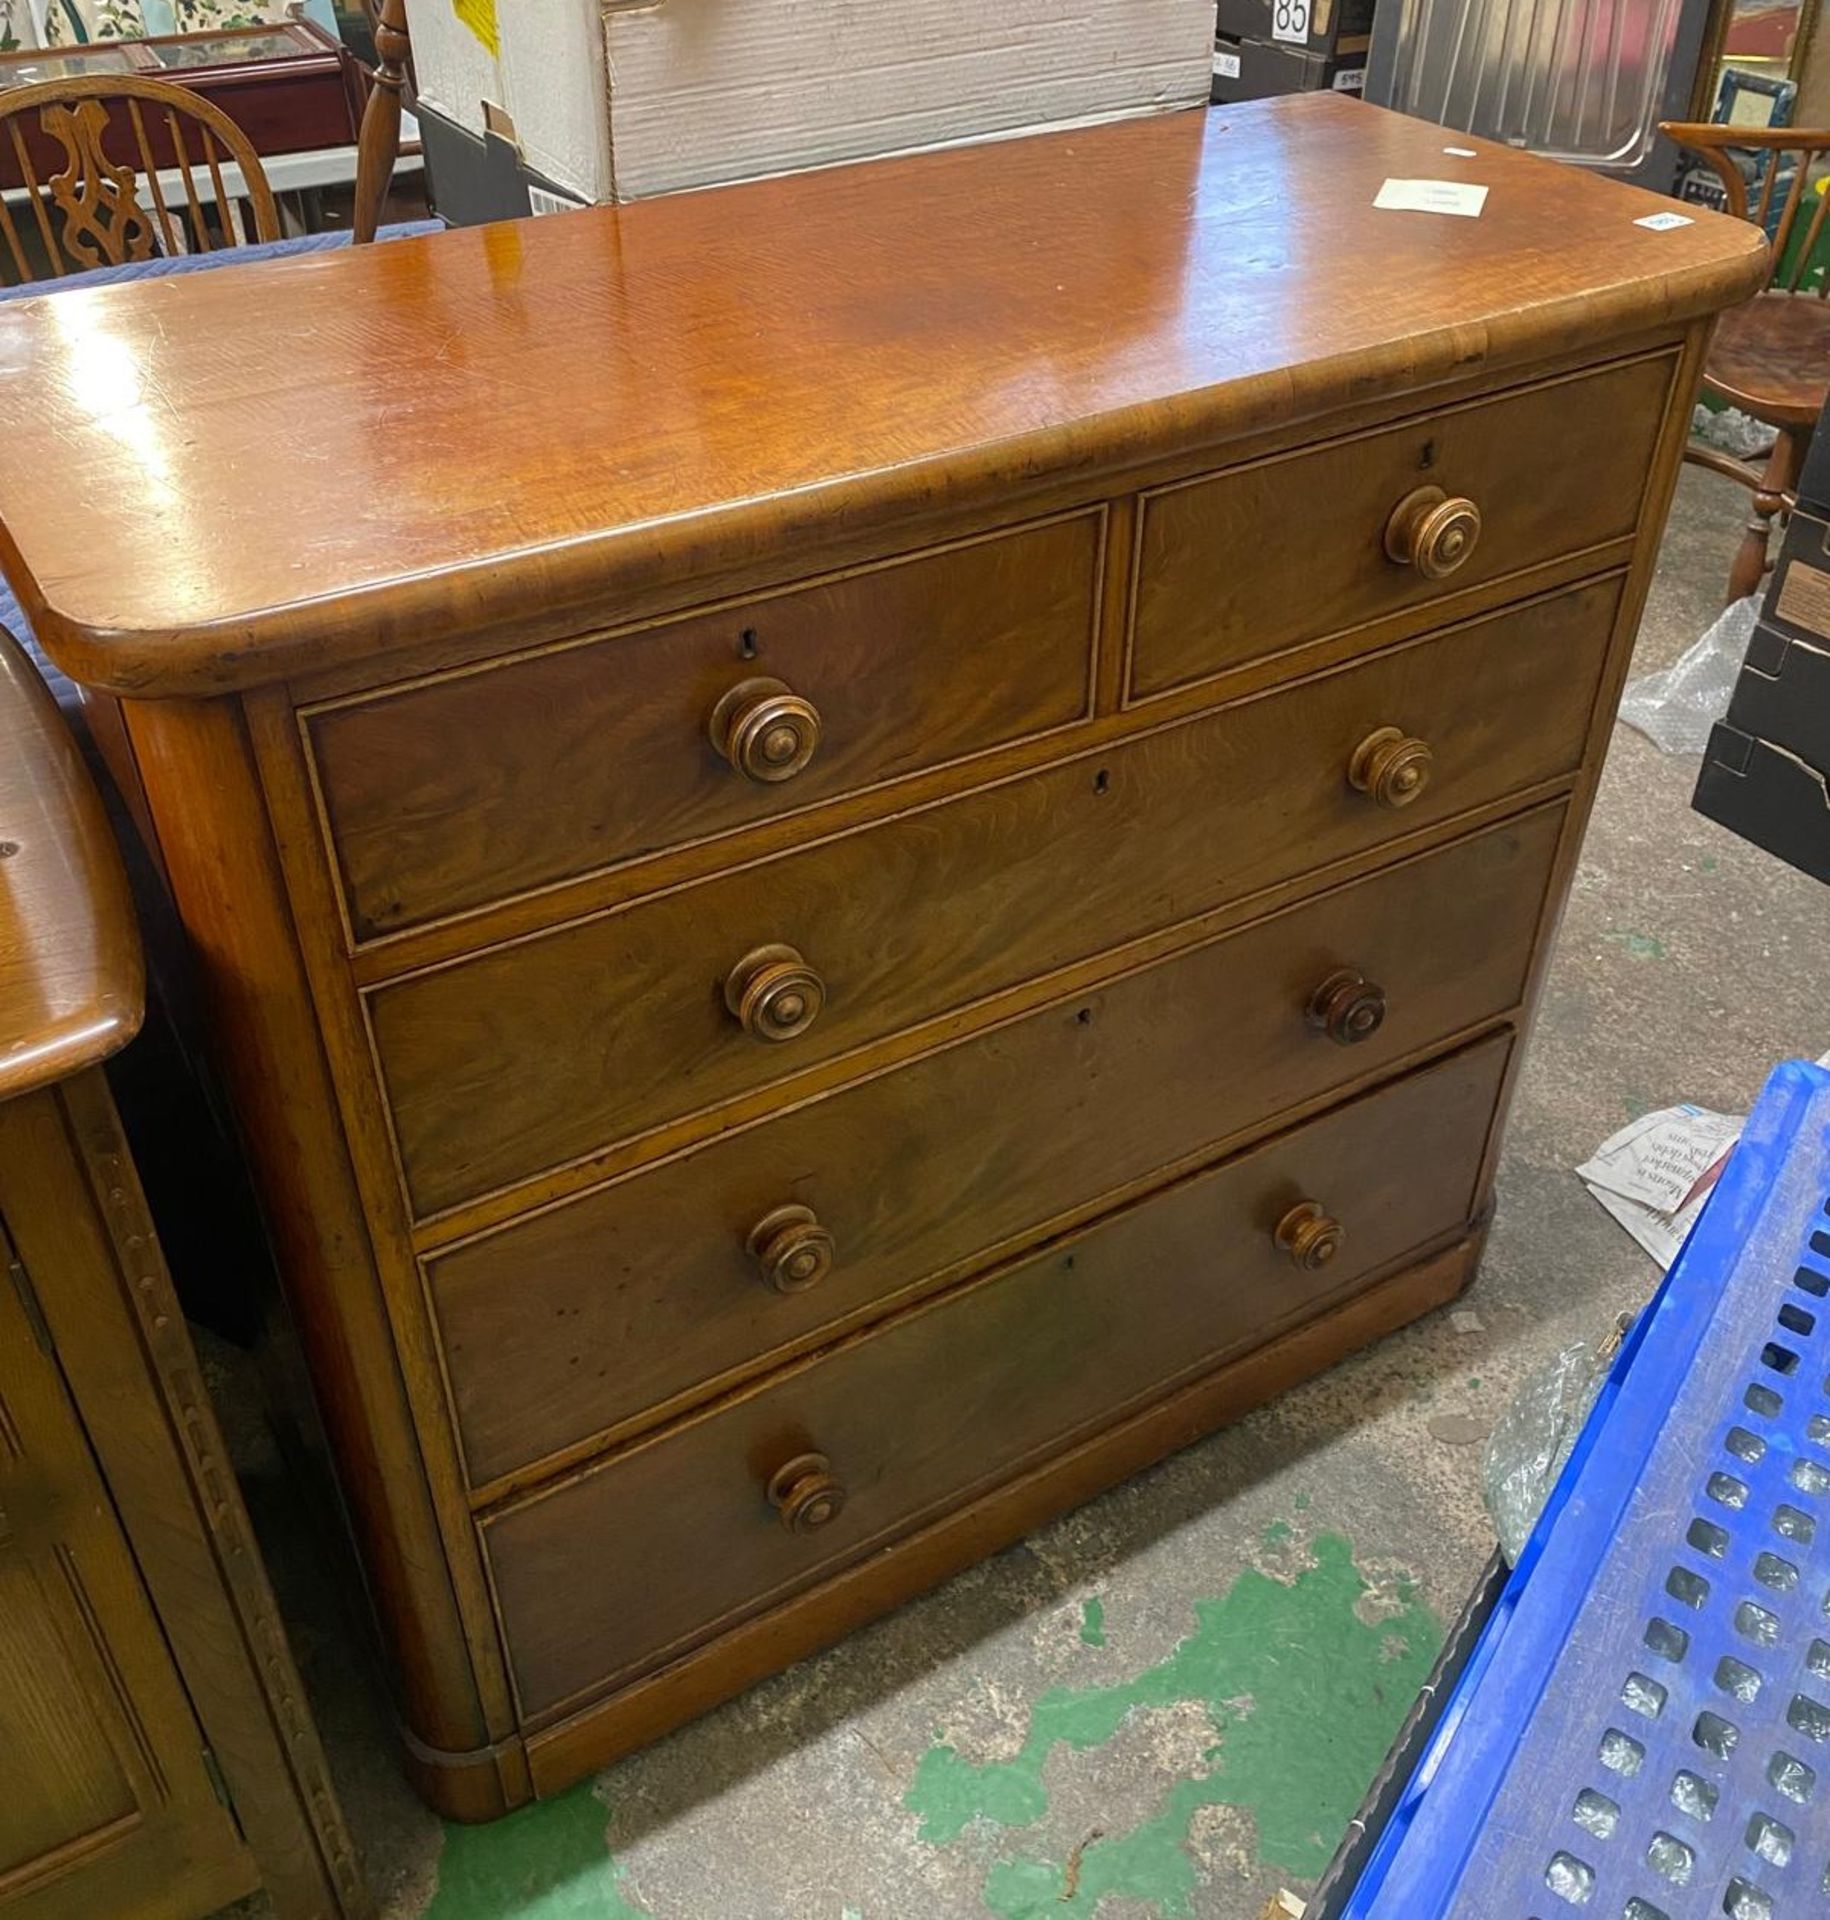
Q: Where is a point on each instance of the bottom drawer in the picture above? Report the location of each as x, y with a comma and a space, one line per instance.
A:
629, 1561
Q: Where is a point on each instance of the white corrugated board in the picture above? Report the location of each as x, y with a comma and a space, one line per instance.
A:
709, 90
616, 101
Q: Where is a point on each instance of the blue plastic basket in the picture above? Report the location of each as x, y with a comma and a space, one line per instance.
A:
1643, 1729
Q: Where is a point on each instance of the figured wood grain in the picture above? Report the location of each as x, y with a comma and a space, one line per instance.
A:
450, 793
71, 984
1553, 469
594, 1312
605, 1730
530, 1055
641, 418
105, 1802
1030, 1358
985, 315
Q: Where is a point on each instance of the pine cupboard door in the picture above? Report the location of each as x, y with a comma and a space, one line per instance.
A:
107, 1806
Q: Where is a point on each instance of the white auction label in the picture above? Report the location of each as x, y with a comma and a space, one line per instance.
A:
1226, 65
1352, 81
1431, 196
1664, 222
1290, 21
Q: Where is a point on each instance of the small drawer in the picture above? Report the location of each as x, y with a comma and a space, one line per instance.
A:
612, 1570
1266, 557
563, 1326
467, 787
538, 1053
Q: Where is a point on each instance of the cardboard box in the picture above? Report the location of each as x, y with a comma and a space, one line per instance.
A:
606, 101
1318, 26
1257, 69
1766, 772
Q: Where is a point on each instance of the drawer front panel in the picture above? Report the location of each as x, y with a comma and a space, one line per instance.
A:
610, 1571
484, 783
1553, 470
562, 1326
543, 1051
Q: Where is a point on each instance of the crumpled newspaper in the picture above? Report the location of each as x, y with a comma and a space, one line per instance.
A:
1656, 1173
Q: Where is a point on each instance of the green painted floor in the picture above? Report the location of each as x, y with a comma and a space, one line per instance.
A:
1305, 1644
1169, 1702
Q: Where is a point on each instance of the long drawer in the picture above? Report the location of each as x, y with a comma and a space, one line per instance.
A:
460, 789
562, 1326
1260, 558
539, 1052
609, 1572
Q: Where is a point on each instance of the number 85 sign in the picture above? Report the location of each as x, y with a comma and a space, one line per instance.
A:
1290, 20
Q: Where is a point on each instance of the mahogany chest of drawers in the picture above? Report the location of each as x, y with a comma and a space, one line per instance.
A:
869, 846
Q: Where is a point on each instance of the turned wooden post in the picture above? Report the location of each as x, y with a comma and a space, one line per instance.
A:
379, 145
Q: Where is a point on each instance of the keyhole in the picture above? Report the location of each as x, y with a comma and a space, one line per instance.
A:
1102, 781
1427, 458
746, 644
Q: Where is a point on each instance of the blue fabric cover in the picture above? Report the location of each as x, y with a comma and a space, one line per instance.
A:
159, 268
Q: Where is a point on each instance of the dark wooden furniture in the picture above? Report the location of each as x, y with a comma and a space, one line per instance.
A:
157, 1757
1770, 358
289, 88
898, 863
102, 200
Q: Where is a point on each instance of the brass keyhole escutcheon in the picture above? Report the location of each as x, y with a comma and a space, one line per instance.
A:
1310, 1235
765, 729
791, 1247
1432, 532
773, 993
805, 1493
1347, 1007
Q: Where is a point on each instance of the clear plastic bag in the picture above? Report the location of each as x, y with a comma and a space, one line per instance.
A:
1733, 431
1676, 707
1527, 1449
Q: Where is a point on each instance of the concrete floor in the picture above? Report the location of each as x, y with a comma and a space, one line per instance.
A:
1170, 1702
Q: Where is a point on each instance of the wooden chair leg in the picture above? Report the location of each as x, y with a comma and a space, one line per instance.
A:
1780, 477
378, 146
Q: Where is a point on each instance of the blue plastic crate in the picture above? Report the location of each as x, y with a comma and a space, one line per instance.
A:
1643, 1729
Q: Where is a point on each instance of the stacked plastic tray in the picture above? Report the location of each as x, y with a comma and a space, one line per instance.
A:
1642, 1731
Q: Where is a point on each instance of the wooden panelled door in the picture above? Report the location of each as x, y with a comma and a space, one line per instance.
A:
104, 1775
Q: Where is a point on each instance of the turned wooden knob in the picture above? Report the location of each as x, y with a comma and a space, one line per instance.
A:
1391, 766
766, 732
805, 1493
1310, 1236
792, 1248
1432, 532
1347, 1007
774, 994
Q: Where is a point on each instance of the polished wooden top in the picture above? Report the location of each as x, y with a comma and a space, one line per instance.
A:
71, 990
217, 479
